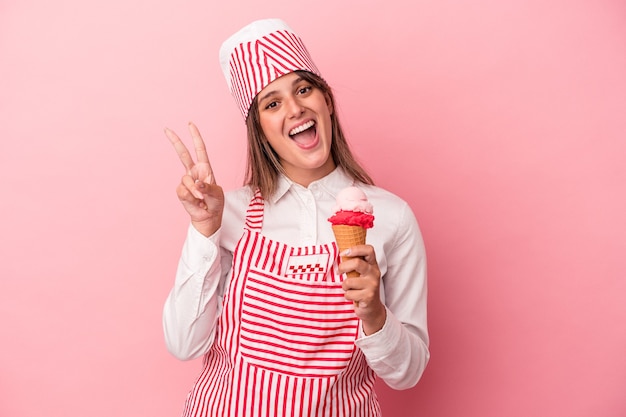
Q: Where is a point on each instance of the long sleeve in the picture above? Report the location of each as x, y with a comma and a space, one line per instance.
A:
398, 353
194, 303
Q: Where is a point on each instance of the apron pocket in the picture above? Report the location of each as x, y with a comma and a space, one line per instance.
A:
296, 327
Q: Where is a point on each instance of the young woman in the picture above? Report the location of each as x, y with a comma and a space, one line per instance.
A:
259, 290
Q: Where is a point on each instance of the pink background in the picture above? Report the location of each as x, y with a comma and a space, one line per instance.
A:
503, 123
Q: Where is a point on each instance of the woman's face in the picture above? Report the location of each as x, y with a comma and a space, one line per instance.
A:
295, 118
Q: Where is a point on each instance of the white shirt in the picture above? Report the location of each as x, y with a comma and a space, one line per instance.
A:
297, 216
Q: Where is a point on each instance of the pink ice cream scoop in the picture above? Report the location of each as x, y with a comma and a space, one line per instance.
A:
352, 209
353, 199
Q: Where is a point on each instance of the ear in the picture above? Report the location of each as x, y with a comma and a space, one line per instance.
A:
329, 103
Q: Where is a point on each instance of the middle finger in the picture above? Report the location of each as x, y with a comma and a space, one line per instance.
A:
201, 153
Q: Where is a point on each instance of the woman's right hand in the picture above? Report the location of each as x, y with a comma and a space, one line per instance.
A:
198, 192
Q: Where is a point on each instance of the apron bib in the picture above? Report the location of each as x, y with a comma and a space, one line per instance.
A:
284, 343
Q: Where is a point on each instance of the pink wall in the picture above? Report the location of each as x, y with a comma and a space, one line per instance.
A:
502, 123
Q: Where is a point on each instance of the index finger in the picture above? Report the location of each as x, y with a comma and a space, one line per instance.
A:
181, 149
366, 252
201, 153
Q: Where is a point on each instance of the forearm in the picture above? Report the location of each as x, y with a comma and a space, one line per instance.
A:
193, 305
397, 353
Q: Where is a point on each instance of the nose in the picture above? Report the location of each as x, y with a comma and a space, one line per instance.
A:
294, 107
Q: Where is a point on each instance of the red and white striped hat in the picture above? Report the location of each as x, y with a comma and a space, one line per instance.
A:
258, 54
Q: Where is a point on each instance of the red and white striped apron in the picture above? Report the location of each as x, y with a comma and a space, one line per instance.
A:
284, 343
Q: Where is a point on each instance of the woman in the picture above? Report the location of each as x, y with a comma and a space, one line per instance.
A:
258, 289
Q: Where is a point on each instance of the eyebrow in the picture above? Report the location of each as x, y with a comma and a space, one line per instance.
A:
275, 92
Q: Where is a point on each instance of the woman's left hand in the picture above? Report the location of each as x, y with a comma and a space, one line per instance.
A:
364, 290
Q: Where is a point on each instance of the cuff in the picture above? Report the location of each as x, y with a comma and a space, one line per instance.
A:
199, 250
384, 342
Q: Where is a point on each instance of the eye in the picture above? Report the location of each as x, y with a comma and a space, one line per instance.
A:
271, 105
304, 90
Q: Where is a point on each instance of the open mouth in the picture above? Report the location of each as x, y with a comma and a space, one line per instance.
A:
301, 128
305, 134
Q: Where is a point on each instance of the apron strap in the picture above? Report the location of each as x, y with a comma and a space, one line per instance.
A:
254, 215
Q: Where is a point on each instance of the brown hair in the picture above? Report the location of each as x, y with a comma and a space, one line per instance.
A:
263, 166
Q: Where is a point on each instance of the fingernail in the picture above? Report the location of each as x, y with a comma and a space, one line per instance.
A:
345, 252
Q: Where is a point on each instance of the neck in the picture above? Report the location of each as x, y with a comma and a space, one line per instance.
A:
306, 177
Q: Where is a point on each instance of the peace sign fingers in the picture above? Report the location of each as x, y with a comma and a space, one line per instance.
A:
201, 153
181, 149
200, 170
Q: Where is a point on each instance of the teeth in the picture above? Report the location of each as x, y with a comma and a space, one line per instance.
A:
301, 128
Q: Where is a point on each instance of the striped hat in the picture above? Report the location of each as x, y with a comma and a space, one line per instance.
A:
258, 54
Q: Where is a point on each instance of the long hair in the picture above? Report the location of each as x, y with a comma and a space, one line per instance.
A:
263, 165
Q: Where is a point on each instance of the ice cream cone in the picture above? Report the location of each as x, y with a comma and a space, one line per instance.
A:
347, 237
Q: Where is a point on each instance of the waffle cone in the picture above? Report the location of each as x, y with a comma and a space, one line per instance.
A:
347, 237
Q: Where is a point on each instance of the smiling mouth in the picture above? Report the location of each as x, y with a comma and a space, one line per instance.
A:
301, 128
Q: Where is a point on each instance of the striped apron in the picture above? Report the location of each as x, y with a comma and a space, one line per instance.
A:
284, 343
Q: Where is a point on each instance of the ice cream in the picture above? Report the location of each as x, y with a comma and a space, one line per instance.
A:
353, 216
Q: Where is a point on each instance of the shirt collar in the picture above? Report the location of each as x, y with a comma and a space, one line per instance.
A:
331, 183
